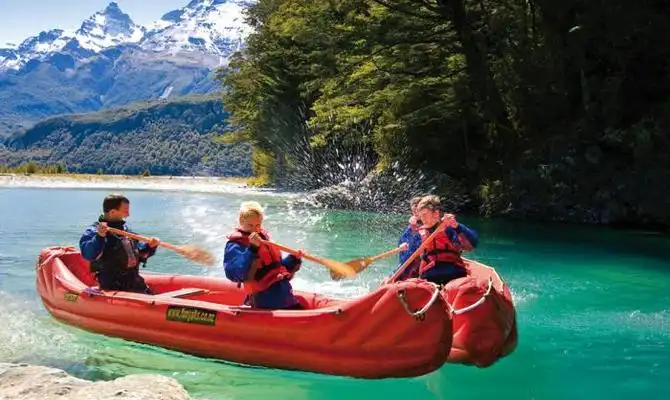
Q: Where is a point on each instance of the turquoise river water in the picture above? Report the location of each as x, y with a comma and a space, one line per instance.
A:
593, 304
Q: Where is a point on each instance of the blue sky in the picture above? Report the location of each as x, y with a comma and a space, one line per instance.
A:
22, 18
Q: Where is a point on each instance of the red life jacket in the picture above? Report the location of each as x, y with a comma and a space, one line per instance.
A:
270, 269
439, 250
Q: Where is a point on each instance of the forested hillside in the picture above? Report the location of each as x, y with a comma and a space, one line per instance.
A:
540, 109
179, 137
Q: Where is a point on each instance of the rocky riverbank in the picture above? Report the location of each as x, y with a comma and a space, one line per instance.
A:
29, 382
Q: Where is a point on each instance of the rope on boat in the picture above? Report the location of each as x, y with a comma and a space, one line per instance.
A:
458, 311
420, 313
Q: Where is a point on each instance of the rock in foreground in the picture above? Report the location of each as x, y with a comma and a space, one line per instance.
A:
27, 382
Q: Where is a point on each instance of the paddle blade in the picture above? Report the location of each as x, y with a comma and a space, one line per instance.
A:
357, 265
197, 254
339, 268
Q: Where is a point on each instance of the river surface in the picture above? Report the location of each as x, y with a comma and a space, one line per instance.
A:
593, 304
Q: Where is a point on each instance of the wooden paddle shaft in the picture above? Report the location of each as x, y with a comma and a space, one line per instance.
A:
293, 251
418, 251
142, 238
339, 267
386, 253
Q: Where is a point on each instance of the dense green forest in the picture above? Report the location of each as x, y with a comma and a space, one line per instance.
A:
176, 137
538, 109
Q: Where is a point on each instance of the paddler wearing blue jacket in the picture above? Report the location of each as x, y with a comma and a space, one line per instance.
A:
259, 267
115, 259
441, 260
410, 235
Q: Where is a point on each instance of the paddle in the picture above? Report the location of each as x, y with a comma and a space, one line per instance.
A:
418, 251
191, 252
359, 264
339, 267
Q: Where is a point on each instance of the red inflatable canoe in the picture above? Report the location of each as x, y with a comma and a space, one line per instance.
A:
399, 330
484, 317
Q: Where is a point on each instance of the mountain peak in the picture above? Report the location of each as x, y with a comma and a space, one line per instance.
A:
215, 27
110, 20
212, 29
43, 42
107, 28
113, 7
114, 11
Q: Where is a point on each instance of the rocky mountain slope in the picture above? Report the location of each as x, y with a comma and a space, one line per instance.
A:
111, 61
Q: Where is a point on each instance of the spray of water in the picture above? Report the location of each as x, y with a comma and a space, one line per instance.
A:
338, 170
31, 337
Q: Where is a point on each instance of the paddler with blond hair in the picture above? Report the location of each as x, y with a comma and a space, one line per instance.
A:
258, 267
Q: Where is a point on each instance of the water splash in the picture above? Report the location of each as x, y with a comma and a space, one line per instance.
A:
29, 336
342, 168
522, 296
387, 191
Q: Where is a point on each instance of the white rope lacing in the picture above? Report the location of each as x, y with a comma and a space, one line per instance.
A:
420, 313
458, 311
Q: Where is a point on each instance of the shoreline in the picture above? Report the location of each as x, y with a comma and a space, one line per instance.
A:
232, 185
196, 184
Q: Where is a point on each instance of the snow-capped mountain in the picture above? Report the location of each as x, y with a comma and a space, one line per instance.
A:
213, 26
110, 60
107, 28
